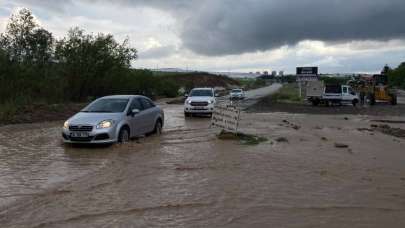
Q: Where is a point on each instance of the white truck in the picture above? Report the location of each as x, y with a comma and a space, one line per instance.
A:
200, 101
319, 93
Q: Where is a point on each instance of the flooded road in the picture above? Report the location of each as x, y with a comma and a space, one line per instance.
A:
189, 178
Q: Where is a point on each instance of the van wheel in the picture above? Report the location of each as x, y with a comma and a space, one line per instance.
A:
158, 128
123, 136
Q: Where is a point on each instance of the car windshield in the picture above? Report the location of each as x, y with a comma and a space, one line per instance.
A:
201, 93
236, 91
112, 105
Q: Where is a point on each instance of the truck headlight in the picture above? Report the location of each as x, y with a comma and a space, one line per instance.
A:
105, 124
66, 125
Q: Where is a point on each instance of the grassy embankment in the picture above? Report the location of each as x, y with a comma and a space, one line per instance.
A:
289, 93
251, 83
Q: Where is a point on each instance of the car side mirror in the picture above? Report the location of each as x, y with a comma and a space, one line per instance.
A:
186, 95
216, 95
134, 112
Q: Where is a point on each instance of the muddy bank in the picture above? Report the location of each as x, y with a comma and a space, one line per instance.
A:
269, 105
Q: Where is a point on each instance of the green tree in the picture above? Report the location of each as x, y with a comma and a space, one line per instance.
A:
91, 62
25, 41
386, 69
397, 76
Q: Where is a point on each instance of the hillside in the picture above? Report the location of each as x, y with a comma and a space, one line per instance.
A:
199, 79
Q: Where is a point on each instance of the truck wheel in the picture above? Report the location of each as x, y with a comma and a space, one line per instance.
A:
393, 99
315, 102
371, 99
355, 102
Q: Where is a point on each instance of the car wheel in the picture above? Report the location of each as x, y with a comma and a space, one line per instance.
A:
158, 128
186, 114
123, 136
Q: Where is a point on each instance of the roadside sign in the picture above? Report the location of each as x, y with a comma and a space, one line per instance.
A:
307, 78
226, 117
307, 74
307, 70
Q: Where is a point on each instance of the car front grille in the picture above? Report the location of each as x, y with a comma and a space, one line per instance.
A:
86, 139
199, 103
80, 128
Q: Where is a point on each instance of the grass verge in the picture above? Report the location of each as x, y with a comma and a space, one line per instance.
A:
289, 93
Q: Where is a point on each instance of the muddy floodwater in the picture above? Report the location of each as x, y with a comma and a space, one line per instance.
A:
189, 178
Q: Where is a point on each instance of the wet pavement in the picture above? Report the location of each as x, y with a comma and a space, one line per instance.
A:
189, 178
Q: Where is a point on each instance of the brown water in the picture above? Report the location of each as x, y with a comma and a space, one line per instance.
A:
188, 178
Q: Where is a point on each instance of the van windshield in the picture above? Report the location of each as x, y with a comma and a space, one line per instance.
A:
109, 105
201, 93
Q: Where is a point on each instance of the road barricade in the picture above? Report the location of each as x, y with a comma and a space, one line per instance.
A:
226, 117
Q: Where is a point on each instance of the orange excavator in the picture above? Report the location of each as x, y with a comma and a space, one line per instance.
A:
376, 88
379, 90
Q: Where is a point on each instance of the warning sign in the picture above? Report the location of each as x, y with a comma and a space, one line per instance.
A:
226, 117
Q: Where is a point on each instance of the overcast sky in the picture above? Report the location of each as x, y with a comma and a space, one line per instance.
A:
238, 35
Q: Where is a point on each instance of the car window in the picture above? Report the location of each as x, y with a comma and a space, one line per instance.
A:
136, 104
146, 103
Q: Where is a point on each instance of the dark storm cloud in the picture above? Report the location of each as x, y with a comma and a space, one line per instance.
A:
233, 27
220, 27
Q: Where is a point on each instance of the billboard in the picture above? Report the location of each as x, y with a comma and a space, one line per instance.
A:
307, 74
307, 71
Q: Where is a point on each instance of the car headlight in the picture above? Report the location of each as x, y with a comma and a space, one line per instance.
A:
66, 125
210, 102
189, 102
105, 124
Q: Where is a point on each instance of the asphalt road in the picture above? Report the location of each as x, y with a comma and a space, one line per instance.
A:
253, 96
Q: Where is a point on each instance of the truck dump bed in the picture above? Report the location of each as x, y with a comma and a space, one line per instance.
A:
315, 89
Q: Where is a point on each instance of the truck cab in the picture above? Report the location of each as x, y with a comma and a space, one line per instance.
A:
340, 94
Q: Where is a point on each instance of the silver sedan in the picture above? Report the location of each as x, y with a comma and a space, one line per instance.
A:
114, 119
